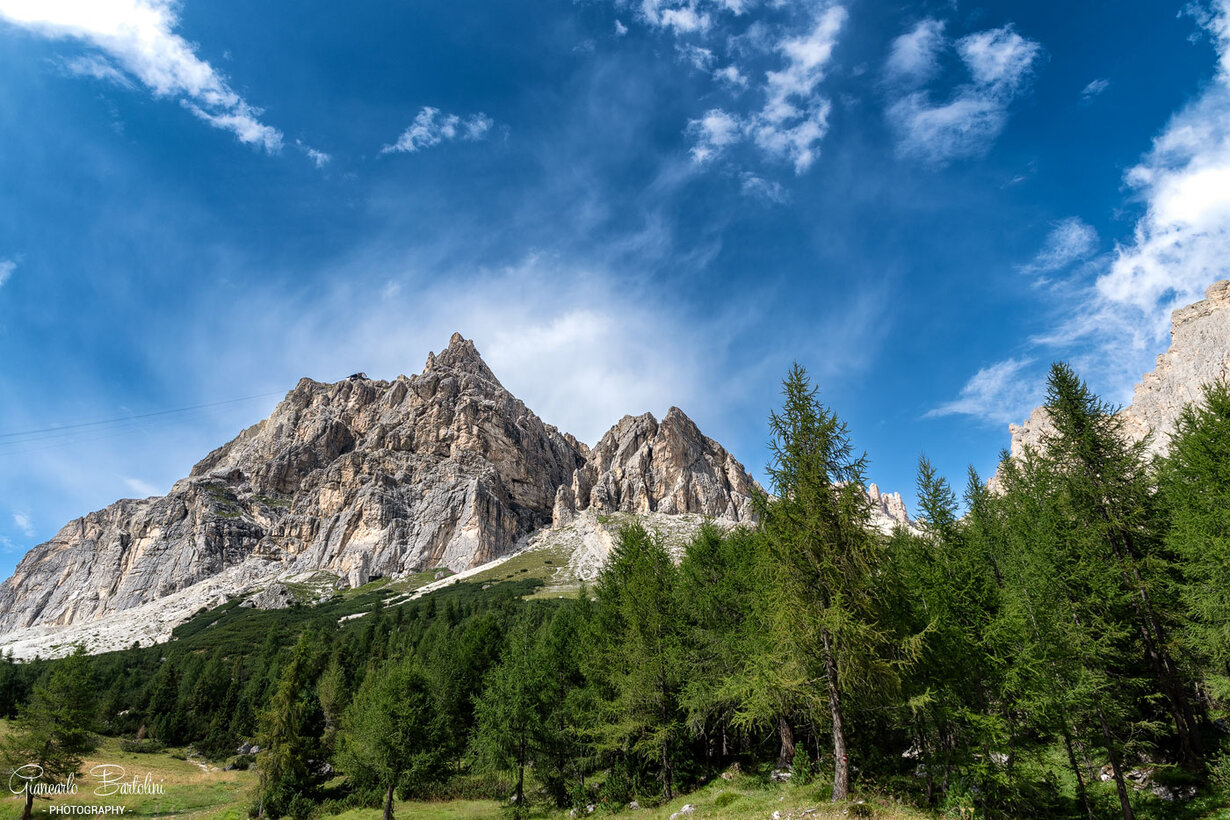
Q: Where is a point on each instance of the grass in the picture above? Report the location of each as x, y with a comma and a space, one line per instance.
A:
189, 790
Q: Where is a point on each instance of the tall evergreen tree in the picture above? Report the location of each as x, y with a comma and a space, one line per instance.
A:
1195, 485
819, 531
54, 730
509, 716
288, 734
638, 653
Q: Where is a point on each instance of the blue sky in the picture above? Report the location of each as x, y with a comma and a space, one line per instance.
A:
628, 205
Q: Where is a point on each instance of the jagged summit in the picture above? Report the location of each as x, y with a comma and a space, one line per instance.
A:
364, 478
642, 465
463, 356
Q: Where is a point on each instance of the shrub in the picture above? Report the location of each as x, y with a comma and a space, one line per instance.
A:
801, 767
725, 799
141, 746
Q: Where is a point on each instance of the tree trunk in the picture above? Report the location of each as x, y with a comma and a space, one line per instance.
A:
668, 780
388, 803
520, 797
841, 766
25, 813
1124, 803
1076, 770
785, 757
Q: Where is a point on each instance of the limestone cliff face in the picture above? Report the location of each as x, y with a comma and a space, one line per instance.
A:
645, 466
366, 478
1199, 354
361, 478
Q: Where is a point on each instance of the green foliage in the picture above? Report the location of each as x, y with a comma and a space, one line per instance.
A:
289, 734
390, 732
1195, 483
637, 655
54, 729
801, 768
826, 623
987, 662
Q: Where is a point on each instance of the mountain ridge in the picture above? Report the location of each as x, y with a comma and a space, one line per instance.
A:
365, 478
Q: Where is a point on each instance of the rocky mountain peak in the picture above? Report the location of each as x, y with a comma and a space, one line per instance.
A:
461, 355
645, 466
1199, 354
359, 479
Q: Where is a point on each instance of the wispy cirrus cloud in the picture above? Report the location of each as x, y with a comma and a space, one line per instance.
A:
137, 38
915, 56
23, 523
7, 266
432, 127
793, 118
1000, 393
768, 58
1069, 241
1112, 326
1094, 89
999, 63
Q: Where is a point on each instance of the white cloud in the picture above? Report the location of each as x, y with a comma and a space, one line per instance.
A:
998, 58
1111, 330
97, 67
139, 37
697, 56
914, 57
714, 133
620, 29
432, 127
1000, 393
794, 117
319, 158
23, 523
760, 188
7, 266
143, 489
964, 126
1094, 88
732, 76
999, 62
1070, 240
1182, 242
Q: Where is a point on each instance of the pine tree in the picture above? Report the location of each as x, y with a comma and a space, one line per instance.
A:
388, 734
946, 589
509, 716
1118, 521
638, 653
819, 532
1195, 484
54, 730
288, 734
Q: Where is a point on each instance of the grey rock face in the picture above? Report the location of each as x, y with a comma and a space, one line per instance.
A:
362, 478
642, 465
365, 479
1199, 354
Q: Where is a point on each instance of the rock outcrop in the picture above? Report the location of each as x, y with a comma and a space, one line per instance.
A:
645, 466
888, 510
365, 479
1199, 354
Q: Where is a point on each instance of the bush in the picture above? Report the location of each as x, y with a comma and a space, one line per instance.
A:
801, 767
1219, 772
142, 746
725, 799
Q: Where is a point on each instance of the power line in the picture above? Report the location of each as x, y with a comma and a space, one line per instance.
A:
123, 419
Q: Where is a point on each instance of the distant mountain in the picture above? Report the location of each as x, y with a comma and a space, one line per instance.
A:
1199, 353
352, 481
